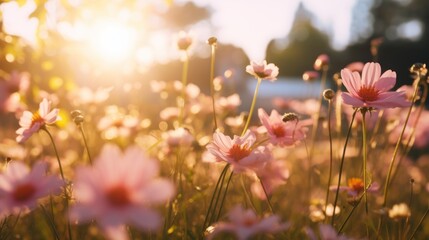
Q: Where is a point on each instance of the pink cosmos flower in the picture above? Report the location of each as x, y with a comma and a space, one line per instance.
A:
245, 223
238, 151
310, 76
31, 123
282, 133
263, 70
372, 90
120, 189
272, 175
21, 188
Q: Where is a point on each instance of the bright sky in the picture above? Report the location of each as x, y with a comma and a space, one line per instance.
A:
252, 24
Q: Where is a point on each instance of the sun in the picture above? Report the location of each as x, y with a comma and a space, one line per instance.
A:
112, 41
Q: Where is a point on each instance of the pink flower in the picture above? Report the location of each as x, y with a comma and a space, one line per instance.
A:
272, 175
31, 123
263, 70
282, 133
20, 188
238, 151
371, 90
245, 223
184, 40
120, 189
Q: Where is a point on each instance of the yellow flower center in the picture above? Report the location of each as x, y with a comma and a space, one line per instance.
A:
356, 184
37, 119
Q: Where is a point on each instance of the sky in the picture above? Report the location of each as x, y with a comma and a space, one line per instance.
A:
252, 24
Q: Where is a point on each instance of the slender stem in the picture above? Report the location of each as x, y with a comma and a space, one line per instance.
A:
215, 192
395, 152
184, 83
419, 224
266, 196
212, 63
85, 142
364, 149
66, 200
252, 107
51, 222
224, 196
330, 154
317, 116
56, 152
246, 193
341, 164
350, 214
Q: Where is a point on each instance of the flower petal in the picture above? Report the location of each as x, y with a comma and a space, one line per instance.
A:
387, 81
350, 100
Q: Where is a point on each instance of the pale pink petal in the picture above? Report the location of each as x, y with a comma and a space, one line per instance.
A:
349, 100
387, 81
44, 107
157, 191
52, 116
371, 73
349, 81
145, 219
17, 171
26, 119
391, 100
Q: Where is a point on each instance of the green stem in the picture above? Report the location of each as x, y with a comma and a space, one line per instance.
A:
184, 83
85, 142
266, 196
350, 214
212, 63
419, 224
224, 196
252, 107
66, 200
342, 163
364, 149
330, 155
398, 143
215, 193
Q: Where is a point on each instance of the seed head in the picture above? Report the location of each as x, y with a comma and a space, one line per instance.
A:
212, 41
328, 94
289, 117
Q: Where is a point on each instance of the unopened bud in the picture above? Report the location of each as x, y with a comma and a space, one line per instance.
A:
289, 117
321, 62
310, 75
184, 41
328, 94
212, 41
75, 113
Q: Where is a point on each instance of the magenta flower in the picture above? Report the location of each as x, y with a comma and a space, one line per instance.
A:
31, 123
245, 223
263, 70
372, 90
282, 133
121, 188
21, 188
238, 151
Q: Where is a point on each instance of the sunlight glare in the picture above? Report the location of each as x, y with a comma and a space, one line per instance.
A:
112, 41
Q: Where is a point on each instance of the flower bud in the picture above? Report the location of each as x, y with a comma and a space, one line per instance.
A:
328, 94
310, 76
75, 113
184, 41
212, 41
321, 62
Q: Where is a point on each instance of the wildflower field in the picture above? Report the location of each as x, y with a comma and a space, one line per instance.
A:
175, 159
